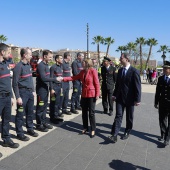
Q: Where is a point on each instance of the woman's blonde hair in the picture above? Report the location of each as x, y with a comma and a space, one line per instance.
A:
88, 62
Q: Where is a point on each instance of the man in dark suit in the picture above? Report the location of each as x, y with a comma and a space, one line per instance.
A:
162, 103
127, 94
108, 83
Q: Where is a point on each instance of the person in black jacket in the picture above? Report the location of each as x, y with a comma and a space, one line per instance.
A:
162, 103
127, 94
75, 99
6, 97
42, 90
108, 83
24, 92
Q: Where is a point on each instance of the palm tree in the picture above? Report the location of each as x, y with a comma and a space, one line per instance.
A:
121, 49
141, 41
163, 49
98, 40
150, 42
131, 46
108, 41
3, 38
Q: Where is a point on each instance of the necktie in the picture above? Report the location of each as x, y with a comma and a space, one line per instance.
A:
123, 72
167, 79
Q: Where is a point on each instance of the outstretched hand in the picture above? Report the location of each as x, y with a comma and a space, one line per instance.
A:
59, 79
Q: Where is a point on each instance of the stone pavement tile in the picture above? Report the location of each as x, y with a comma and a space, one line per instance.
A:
38, 164
134, 160
157, 162
99, 165
74, 161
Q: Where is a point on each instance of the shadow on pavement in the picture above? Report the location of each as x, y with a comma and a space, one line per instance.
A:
120, 165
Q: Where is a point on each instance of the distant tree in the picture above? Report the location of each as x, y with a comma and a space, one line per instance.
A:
150, 42
98, 40
108, 41
141, 41
3, 38
163, 49
121, 49
131, 46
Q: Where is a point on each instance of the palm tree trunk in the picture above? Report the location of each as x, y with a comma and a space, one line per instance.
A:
147, 61
98, 51
107, 50
141, 58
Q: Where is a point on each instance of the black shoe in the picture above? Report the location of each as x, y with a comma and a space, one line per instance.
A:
66, 112
23, 138
166, 143
110, 114
0, 155
48, 126
125, 136
58, 118
74, 111
83, 132
92, 136
10, 144
105, 112
113, 138
161, 138
61, 115
54, 121
42, 128
78, 108
32, 133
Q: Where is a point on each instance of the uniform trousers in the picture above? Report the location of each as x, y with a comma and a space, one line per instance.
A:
42, 103
75, 99
55, 104
64, 99
164, 122
5, 112
26, 109
107, 99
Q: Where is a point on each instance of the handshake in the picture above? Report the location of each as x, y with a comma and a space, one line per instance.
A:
59, 79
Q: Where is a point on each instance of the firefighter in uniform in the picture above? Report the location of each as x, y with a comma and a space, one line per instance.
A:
6, 97
162, 103
66, 86
75, 99
42, 90
108, 83
56, 90
24, 92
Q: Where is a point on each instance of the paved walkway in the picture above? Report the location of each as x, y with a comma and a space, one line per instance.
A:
64, 149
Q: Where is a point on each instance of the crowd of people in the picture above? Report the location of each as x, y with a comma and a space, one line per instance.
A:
123, 87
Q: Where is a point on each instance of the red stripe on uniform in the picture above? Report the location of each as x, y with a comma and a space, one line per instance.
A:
47, 73
58, 74
66, 71
80, 68
5, 75
27, 75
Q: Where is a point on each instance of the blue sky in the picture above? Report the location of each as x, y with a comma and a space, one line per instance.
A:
58, 24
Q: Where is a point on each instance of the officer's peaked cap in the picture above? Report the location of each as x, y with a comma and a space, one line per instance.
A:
166, 64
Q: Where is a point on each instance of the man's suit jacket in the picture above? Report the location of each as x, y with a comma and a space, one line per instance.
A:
162, 95
128, 89
90, 82
108, 77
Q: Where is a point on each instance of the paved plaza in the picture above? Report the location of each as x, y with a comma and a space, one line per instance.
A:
62, 148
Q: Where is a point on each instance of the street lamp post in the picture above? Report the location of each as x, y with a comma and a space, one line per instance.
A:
87, 40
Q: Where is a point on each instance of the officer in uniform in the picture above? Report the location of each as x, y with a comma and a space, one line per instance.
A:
108, 83
42, 90
24, 92
66, 86
162, 103
6, 97
56, 90
76, 68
